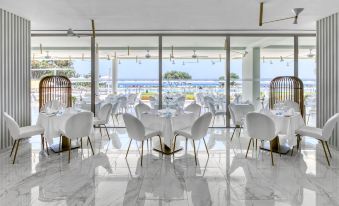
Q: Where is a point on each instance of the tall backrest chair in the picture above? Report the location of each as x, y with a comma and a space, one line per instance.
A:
104, 112
141, 108
55, 88
103, 117
329, 126
12, 125
135, 128
78, 126
200, 126
262, 127
285, 88
194, 108
18, 133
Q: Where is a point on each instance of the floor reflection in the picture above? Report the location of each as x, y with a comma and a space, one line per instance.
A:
223, 178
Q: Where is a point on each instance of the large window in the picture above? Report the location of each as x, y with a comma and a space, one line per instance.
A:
255, 61
192, 67
307, 73
68, 56
127, 66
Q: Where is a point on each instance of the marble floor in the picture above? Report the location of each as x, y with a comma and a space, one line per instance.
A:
223, 178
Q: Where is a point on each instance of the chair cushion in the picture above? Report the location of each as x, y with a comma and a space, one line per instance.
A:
151, 133
30, 131
186, 132
310, 131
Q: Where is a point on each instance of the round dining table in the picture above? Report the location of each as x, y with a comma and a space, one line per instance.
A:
167, 121
53, 122
286, 125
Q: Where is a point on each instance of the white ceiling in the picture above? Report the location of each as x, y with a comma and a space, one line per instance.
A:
167, 15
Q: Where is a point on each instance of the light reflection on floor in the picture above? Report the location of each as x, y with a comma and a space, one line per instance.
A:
223, 178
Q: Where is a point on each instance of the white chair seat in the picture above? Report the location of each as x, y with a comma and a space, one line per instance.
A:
151, 133
310, 131
30, 131
186, 132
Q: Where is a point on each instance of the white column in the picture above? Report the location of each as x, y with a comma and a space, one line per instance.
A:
327, 72
97, 72
114, 75
251, 75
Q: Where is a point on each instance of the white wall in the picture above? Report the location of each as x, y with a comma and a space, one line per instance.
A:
15, 64
327, 71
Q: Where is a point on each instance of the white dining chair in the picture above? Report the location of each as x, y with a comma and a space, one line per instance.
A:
323, 135
195, 109
238, 113
261, 127
20, 133
122, 104
137, 131
181, 101
77, 126
216, 113
103, 117
115, 112
131, 100
196, 132
141, 108
208, 99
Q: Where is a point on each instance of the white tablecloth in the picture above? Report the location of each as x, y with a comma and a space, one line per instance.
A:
167, 124
286, 126
53, 123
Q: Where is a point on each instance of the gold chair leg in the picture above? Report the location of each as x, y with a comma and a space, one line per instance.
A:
60, 145
162, 149
298, 142
16, 150
195, 154
142, 151
13, 147
129, 145
328, 149
46, 147
42, 142
81, 143
233, 133
175, 140
206, 147
100, 131
292, 151
328, 162
107, 132
271, 148
90, 143
279, 146
249, 144
69, 151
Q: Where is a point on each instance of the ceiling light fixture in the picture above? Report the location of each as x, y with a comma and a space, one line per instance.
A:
147, 56
296, 12
70, 32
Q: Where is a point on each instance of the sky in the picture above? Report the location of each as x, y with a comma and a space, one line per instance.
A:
147, 69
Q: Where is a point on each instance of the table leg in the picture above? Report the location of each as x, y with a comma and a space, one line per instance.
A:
275, 147
64, 145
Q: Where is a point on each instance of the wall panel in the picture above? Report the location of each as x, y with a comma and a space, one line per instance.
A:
14, 72
327, 72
